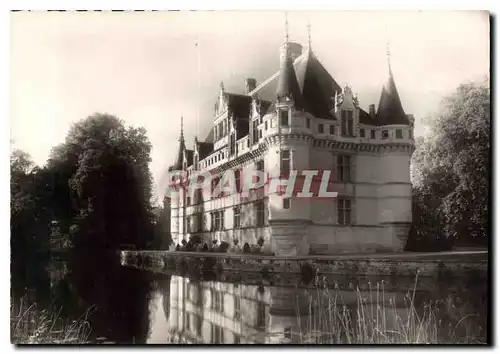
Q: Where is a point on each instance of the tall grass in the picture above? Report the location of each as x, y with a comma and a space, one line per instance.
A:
28, 325
376, 319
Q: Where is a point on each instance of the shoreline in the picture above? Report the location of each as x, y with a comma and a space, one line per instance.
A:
390, 264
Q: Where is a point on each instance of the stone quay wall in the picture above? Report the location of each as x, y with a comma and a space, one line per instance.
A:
403, 264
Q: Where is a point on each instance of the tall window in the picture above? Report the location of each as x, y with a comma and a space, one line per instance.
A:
321, 128
285, 162
344, 211
188, 224
265, 125
308, 123
261, 314
221, 219
410, 133
237, 307
212, 221
236, 218
362, 133
221, 131
259, 165
255, 131
188, 201
286, 203
372, 134
284, 118
332, 129
399, 134
347, 123
198, 196
237, 180
385, 134
260, 213
215, 182
232, 146
199, 222
344, 168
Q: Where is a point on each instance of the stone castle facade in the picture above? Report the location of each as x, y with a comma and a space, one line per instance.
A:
299, 119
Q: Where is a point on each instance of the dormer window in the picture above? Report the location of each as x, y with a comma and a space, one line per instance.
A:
321, 128
284, 118
308, 123
347, 126
399, 134
385, 134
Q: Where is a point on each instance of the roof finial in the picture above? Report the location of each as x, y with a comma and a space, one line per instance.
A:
309, 33
388, 53
286, 27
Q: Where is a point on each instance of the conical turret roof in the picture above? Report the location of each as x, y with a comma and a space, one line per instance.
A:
390, 110
288, 86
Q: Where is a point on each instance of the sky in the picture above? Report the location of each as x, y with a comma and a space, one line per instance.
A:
146, 69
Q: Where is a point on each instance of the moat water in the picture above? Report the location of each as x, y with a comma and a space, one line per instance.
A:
126, 305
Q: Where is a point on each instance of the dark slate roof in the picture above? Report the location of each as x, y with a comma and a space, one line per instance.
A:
317, 86
189, 155
288, 85
264, 107
180, 155
366, 118
239, 105
390, 111
242, 128
204, 149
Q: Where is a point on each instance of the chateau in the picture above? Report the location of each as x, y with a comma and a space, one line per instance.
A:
300, 119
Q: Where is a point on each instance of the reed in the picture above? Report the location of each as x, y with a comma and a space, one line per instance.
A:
28, 325
375, 319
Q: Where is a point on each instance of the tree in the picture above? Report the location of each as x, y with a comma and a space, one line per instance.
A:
450, 169
103, 183
30, 217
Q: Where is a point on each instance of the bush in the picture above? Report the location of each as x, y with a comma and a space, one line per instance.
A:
196, 239
260, 242
235, 242
246, 248
190, 246
223, 247
184, 242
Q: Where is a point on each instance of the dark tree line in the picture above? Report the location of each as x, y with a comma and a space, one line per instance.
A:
94, 192
451, 173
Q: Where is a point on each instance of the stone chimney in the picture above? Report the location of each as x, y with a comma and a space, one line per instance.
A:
371, 110
250, 85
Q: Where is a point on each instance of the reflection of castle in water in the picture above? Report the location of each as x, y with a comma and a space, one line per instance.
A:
227, 313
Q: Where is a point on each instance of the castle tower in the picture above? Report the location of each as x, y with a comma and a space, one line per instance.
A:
288, 151
394, 206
